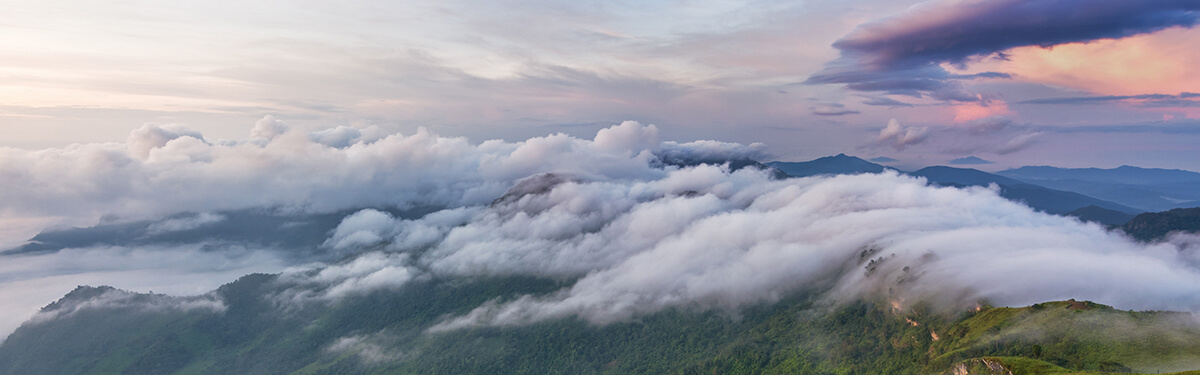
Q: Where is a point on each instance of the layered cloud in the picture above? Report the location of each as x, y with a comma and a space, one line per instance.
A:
89, 298
997, 135
632, 226
193, 199
709, 238
169, 169
727, 240
904, 54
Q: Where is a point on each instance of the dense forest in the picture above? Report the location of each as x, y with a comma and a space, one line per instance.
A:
388, 333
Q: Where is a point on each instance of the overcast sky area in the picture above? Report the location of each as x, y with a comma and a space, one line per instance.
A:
1068, 83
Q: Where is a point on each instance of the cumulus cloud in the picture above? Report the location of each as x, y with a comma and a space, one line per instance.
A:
900, 137
709, 239
151, 136
268, 128
903, 54
997, 135
168, 169
631, 224
366, 273
178, 179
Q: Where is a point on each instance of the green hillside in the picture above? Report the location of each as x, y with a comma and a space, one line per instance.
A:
386, 333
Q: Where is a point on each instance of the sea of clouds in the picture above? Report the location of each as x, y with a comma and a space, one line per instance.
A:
623, 219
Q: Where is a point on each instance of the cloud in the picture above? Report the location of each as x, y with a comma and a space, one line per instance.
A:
375, 348
168, 169
1167, 100
1174, 126
102, 298
995, 134
706, 239
1018, 143
885, 101
268, 128
363, 228
833, 109
151, 136
29, 281
990, 124
184, 223
900, 137
630, 234
168, 180
368, 272
903, 54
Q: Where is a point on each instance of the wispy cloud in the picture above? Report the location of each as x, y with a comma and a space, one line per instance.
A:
1164, 100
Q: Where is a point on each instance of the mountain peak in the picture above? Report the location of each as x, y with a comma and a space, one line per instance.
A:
969, 160
837, 164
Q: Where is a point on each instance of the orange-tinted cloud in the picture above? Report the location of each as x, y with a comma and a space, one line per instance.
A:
1162, 62
977, 110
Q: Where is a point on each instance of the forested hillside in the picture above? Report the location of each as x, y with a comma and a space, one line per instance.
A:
388, 333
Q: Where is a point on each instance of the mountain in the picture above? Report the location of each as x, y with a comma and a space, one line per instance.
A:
1143, 188
970, 160
1041, 198
1101, 215
264, 227
1124, 174
838, 164
254, 332
1156, 225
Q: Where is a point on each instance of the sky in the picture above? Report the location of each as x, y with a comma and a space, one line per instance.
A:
1071, 83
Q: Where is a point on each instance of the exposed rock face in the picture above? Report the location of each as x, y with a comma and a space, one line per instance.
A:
980, 366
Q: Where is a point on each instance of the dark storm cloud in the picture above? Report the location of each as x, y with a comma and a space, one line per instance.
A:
902, 54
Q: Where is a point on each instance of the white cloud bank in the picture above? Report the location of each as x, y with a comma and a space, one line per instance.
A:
632, 236
168, 169
707, 238
163, 171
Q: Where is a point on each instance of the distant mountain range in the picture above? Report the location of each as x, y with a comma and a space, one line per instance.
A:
1039, 197
1107, 196
1146, 189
